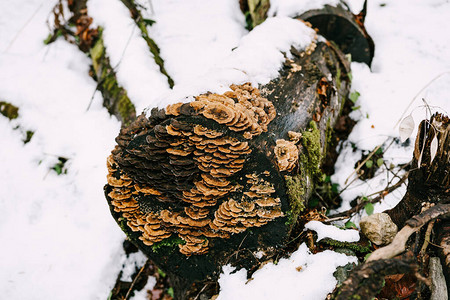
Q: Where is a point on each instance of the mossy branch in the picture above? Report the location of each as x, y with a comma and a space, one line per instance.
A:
346, 245
153, 47
115, 98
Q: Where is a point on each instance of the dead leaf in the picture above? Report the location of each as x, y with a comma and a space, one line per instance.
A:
406, 128
419, 161
433, 148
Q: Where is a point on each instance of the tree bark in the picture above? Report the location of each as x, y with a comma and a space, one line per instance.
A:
345, 29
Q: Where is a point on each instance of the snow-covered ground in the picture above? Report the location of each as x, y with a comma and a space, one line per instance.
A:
58, 238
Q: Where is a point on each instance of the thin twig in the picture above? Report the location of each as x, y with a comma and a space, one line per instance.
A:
398, 245
417, 95
135, 279
22, 28
363, 162
203, 288
125, 48
427, 237
381, 195
237, 251
298, 236
339, 218
93, 94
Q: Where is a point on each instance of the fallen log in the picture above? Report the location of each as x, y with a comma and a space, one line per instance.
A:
78, 30
192, 192
223, 178
345, 29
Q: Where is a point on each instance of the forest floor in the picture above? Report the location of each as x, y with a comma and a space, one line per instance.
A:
59, 239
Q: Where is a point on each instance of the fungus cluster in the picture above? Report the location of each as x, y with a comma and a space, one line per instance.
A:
286, 153
242, 109
256, 207
177, 173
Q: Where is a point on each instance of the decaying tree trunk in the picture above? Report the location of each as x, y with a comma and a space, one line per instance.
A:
223, 178
354, 40
195, 184
427, 199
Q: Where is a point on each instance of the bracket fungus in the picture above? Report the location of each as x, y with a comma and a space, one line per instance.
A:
175, 173
287, 155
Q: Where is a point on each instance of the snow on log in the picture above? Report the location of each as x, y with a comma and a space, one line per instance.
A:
345, 29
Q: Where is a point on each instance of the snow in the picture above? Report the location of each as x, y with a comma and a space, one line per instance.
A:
129, 54
57, 232
332, 232
143, 294
411, 62
302, 276
294, 8
196, 35
257, 58
134, 261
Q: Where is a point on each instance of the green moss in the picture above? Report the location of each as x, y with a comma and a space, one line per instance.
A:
126, 108
297, 186
311, 157
328, 135
342, 272
97, 52
8, 110
296, 191
142, 24
338, 78
346, 245
258, 11
169, 244
122, 222
115, 98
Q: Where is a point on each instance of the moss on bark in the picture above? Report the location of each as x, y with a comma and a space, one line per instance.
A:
115, 98
153, 47
8, 110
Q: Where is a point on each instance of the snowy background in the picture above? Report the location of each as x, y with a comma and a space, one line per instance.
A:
58, 238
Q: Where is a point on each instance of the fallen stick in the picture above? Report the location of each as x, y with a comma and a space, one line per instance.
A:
398, 245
